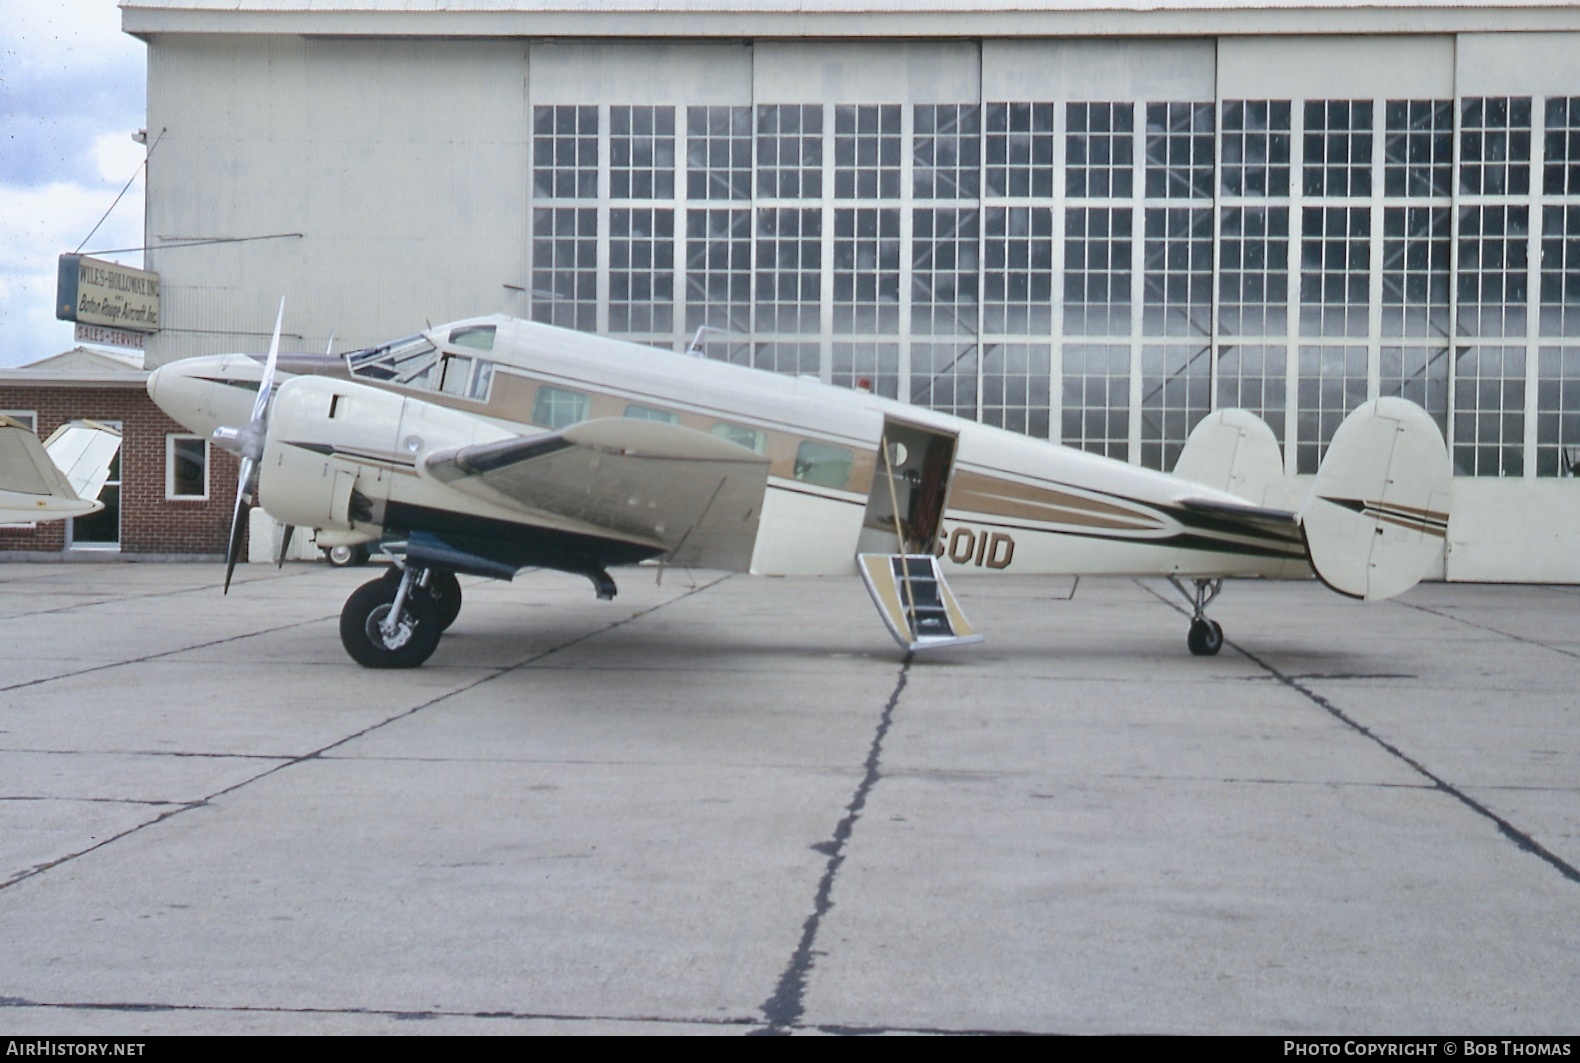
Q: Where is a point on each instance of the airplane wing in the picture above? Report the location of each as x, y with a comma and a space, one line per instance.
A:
697, 496
54, 480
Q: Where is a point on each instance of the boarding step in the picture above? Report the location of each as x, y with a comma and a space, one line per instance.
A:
914, 600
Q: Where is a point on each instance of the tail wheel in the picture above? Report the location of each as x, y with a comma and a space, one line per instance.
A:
1205, 638
347, 556
406, 643
443, 589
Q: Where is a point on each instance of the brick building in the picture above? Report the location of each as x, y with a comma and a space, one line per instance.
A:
169, 494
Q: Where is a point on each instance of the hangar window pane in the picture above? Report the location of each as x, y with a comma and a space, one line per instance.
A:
1099, 147
1176, 382
1338, 148
1495, 146
642, 152
1419, 374
946, 151
565, 267
1095, 414
823, 464
556, 408
1020, 150
1489, 411
1493, 279
867, 151
789, 270
719, 152
944, 376
1560, 314
1179, 151
1335, 263
1558, 412
867, 271
1015, 380
1177, 282
642, 271
1018, 273
1415, 271
1418, 149
565, 152
186, 467
1256, 143
719, 270
1252, 376
873, 363
1097, 264
790, 151
1561, 169
788, 357
944, 271
1332, 383
1253, 282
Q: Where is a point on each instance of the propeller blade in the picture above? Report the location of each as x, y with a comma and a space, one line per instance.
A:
267, 382
238, 515
285, 545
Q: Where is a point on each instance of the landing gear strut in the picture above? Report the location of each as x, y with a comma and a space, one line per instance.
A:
1206, 636
391, 623
440, 585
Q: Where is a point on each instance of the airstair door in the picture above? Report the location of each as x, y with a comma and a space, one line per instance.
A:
909, 487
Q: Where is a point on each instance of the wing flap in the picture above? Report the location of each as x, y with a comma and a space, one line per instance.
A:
697, 495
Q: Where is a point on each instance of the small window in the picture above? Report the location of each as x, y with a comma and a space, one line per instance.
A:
457, 374
823, 464
741, 436
186, 467
557, 408
474, 337
648, 413
482, 379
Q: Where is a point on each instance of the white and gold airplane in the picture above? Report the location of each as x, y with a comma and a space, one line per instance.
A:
58, 478
492, 445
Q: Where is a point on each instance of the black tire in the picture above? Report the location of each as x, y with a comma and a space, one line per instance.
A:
1205, 638
416, 637
443, 588
347, 556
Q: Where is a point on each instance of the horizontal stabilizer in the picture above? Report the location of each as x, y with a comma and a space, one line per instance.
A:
1377, 515
56, 480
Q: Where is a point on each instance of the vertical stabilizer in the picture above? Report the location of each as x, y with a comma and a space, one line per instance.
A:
1377, 515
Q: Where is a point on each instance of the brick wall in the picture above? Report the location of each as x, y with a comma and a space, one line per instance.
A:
149, 523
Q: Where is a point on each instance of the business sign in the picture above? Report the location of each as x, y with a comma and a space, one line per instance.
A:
110, 337
93, 292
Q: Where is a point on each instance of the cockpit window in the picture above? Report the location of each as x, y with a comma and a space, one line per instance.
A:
476, 337
412, 362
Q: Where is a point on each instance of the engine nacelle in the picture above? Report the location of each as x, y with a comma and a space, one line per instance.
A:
326, 440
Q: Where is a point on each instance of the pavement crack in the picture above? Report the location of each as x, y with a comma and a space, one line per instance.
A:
783, 1010
1489, 629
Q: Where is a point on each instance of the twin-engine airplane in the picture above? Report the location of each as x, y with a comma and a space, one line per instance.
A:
492, 445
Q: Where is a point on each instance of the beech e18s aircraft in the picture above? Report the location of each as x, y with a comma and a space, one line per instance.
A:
492, 445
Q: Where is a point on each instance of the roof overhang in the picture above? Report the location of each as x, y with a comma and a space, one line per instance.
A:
835, 19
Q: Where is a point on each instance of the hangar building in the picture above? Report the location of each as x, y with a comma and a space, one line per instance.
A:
1089, 221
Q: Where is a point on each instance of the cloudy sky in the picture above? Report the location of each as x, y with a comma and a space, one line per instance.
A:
72, 92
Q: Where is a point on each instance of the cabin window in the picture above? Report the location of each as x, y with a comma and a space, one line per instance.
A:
482, 380
186, 467
557, 408
648, 413
474, 337
741, 436
823, 464
457, 375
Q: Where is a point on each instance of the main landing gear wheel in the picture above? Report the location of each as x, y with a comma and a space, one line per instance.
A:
374, 641
442, 588
347, 556
1205, 638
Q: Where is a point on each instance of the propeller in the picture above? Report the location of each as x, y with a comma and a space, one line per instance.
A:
246, 443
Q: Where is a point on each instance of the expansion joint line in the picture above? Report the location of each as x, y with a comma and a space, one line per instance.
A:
1520, 838
783, 1010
